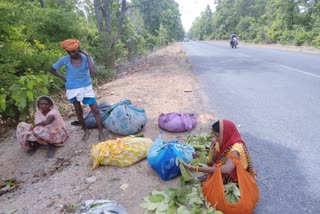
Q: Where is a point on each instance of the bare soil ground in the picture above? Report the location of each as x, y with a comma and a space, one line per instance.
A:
161, 83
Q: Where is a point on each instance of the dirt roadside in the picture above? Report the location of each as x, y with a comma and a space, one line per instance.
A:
163, 83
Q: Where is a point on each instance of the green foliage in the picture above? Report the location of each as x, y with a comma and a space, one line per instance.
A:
163, 36
276, 32
244, 24
103, 74
185, 174
267, 21
201, 143
186, 199
29, 44
285, 37
316, 42
151, 40
161, 20
106, 54
18, 101
231, 192
46, 28
202, 27
300, 38
134, 39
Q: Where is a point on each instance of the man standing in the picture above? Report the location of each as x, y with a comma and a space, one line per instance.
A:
79, 65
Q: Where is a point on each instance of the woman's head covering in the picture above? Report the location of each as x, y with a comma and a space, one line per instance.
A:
229, 134
70, 44
39, 117
53, 105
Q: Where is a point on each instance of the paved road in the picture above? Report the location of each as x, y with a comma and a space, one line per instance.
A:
274, 98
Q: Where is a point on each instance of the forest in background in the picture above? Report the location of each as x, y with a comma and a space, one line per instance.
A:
112, 31
288, 22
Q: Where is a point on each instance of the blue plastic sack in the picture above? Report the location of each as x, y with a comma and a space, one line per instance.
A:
162, 157
123, 118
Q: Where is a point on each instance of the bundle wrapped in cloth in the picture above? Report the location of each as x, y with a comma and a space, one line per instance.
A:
120, 152
177, 121
124, 118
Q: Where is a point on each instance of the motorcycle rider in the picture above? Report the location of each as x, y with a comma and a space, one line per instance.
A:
234, 35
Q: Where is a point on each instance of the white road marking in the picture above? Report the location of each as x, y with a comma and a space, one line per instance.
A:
205, 67
300, 71
243, 55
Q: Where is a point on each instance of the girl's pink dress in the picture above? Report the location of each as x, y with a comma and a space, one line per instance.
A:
53, 133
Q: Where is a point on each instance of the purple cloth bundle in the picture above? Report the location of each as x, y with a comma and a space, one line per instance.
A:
177, 121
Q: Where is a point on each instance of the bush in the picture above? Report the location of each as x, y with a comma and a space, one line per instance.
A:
18, 96
300, 36
316, 42
103, 74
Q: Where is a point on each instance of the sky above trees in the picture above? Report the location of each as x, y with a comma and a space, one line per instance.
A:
190, 9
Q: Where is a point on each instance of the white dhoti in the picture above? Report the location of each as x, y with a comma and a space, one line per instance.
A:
80, 93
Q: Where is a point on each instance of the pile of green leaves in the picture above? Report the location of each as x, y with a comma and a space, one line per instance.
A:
231, 192
186, 199
201, 144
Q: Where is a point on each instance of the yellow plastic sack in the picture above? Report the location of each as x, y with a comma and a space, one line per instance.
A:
120, 152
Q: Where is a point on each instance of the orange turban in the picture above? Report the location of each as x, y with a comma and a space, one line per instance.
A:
70, 44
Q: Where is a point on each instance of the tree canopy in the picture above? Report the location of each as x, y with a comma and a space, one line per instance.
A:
112, 30
263, 21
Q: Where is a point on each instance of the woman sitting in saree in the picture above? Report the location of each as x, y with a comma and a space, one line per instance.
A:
229, 161
49, 128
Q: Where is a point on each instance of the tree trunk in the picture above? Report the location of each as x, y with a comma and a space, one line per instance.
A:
41, 3
120, 21
104, 19
97, 10
107, 15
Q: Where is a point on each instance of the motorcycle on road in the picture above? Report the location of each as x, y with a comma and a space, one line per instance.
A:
234, 42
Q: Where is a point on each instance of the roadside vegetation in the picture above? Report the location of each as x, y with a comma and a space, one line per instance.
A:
113, 31
287, 22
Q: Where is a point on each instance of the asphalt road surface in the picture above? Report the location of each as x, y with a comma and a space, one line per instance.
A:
274, 98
